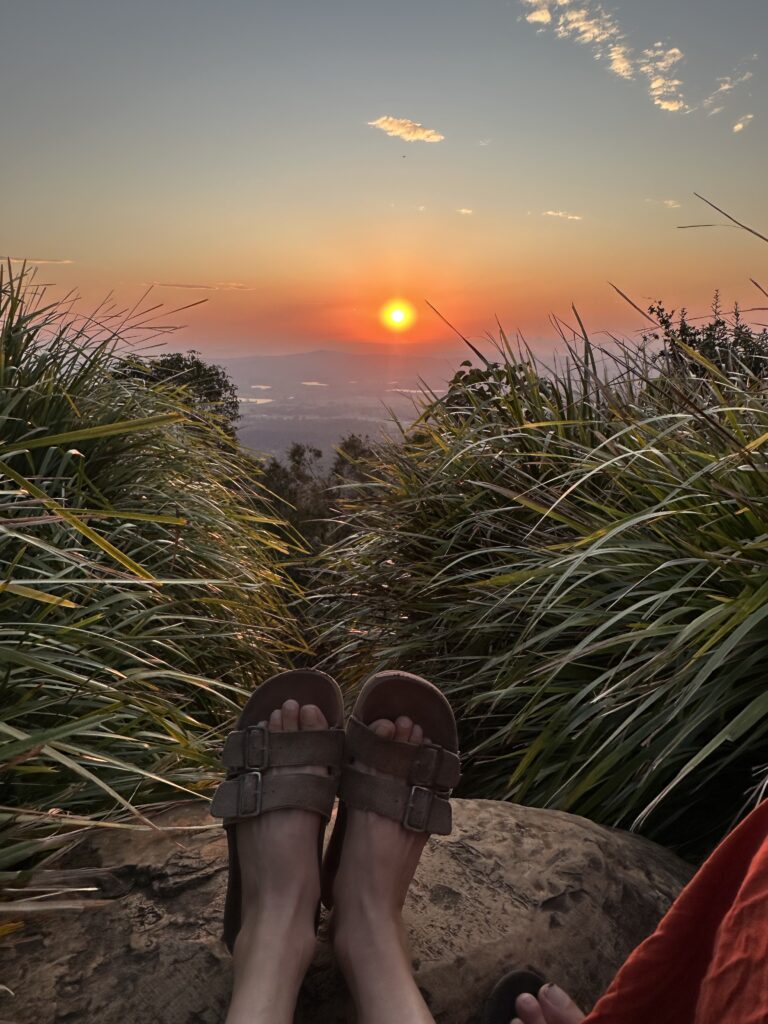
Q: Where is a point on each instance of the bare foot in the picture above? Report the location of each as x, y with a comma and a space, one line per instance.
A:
553, 1006
280, 892
378, 861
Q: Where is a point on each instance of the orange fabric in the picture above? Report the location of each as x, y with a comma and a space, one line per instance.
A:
707, 962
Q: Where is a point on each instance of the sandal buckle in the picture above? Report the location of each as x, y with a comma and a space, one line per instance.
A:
249, 794
417, 810
256, 747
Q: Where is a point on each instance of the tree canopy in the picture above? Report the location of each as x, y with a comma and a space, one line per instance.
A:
209, 387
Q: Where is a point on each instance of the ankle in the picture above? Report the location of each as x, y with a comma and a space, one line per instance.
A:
365, 934
294, 901
376, 963
278, 925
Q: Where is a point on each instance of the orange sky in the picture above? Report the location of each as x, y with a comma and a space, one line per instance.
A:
298, 167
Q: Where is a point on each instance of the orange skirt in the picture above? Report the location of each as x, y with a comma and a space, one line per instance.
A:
707, 962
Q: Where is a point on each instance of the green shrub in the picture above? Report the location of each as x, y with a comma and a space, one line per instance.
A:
142, 589
732, 346
580, 560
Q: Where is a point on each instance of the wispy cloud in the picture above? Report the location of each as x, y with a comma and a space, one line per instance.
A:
38, 262
712, 104
464, 211
742, 123
670, 204
403, 128
620, 61
663, 88
588, 23
562, 214
216, 286
485, 142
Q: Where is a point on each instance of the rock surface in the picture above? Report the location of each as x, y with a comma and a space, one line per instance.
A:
511, 887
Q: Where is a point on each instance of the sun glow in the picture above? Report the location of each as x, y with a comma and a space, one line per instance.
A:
397, 315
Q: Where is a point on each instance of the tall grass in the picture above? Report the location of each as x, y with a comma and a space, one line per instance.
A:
141, 581
580, 560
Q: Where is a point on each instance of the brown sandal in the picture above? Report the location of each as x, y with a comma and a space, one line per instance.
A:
421, 777
251, 751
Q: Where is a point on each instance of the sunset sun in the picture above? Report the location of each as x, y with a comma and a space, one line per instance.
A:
397, 315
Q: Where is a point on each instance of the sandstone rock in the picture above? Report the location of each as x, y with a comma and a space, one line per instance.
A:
511, 887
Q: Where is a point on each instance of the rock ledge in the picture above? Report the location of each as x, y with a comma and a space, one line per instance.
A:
512, 886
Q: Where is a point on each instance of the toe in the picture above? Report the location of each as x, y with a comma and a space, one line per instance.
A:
558, 1007
383, 728
276, 720
290, 716
417, 735
528, 1010
403, 726
311, 718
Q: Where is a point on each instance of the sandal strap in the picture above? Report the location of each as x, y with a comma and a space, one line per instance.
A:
254, 792
417, 808
257, 747
423, 765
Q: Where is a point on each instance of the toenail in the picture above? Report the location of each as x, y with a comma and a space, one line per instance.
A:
555, 996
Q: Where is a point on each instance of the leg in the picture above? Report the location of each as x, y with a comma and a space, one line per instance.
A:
378, 861
281, 889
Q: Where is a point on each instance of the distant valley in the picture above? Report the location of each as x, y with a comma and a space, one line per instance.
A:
318, 397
